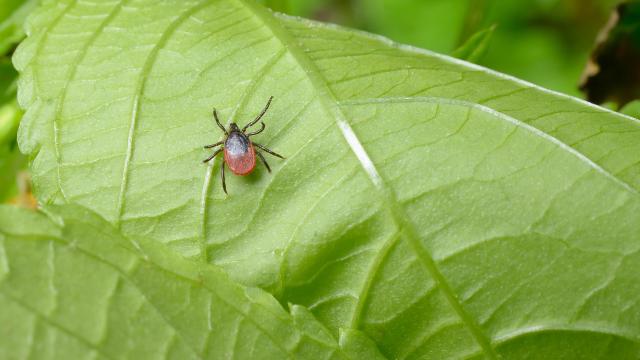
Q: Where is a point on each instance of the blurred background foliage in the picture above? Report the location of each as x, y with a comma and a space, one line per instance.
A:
11, 161
14, 184
547, 42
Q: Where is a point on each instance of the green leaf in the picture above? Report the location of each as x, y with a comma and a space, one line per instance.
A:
632, 109
476, 46
81, 289
446, 210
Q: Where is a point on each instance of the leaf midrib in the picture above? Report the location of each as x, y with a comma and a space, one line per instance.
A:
330, 103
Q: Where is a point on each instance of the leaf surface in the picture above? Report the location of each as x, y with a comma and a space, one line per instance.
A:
82, 290
446, 210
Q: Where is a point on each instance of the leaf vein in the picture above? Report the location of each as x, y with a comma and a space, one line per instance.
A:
504, 117
372, 274
140, 87
63, 95
250, 89
47, 32
331, 105
59, 327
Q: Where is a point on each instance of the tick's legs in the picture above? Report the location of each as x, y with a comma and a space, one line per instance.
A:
214, 145
267, 150
259, 115
263, 160
215, 116
224, 185
212, 156
257, 131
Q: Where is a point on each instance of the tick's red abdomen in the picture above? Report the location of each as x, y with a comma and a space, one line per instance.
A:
239, 153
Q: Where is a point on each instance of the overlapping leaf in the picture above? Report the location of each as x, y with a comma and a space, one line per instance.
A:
81, 290
447, 211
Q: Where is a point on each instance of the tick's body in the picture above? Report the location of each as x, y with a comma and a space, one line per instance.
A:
239, 151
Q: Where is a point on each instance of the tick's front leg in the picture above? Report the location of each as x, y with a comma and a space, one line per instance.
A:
212, 156
215, 116
214, 145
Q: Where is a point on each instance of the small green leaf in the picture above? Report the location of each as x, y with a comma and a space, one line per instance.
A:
473, 49
81, 289
445, 210
12, 16
632, 109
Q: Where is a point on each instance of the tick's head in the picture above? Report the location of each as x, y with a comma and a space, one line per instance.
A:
233, 127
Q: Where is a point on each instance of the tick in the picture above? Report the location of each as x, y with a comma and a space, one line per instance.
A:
239, 151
